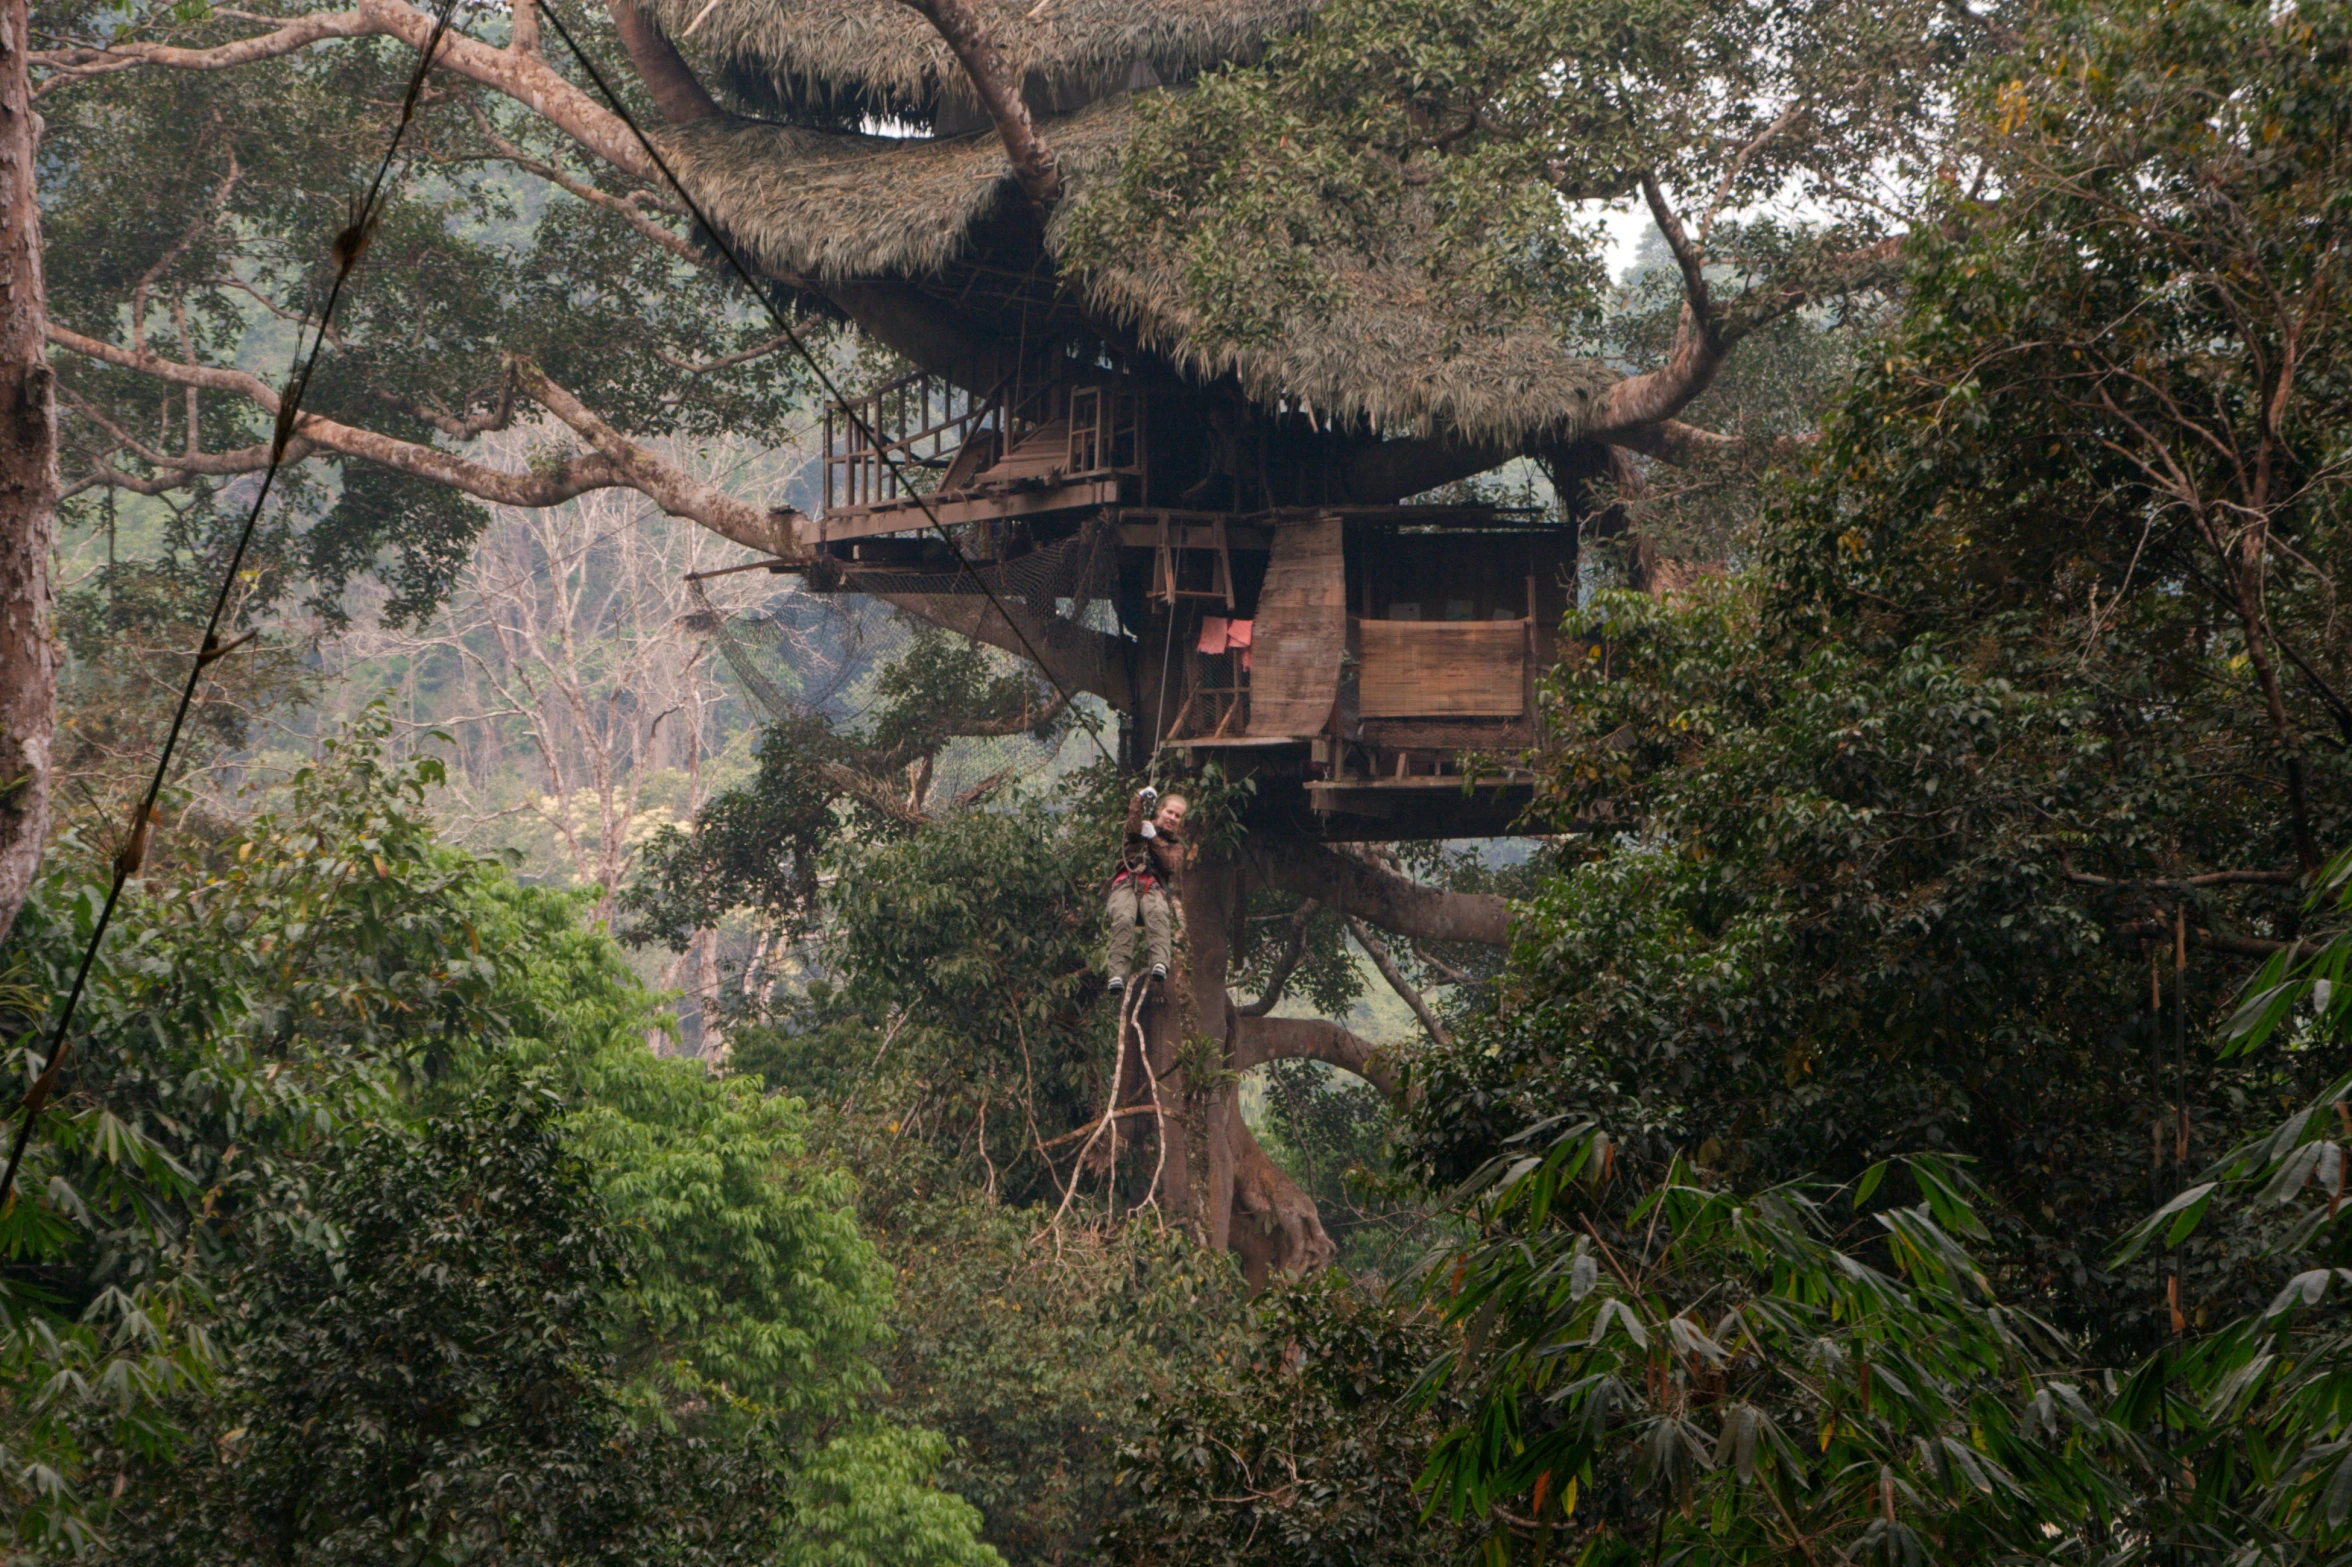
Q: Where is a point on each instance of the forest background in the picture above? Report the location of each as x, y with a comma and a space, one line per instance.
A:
1913, 1129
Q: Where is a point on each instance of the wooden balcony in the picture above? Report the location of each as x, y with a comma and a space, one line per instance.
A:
1010, 453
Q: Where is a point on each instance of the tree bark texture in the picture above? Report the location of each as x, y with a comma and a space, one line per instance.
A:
1259, 1040
1275, 1228
28, 483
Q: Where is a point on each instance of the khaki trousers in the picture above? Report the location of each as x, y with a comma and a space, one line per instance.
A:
1123, 908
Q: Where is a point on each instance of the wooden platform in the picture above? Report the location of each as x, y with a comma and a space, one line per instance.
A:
1473, 803
902, 516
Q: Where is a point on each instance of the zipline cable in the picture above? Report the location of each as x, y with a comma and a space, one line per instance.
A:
349, 246
792, 336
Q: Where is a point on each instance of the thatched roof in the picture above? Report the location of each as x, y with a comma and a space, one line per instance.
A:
1387, 357
823, 57
828, 206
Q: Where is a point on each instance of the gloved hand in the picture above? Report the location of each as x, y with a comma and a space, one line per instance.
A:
1148, 795
1150, 830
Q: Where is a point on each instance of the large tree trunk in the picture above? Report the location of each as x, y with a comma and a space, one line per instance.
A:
668, 79
1240, 1200
1275, 1228
28, 484
1210, 887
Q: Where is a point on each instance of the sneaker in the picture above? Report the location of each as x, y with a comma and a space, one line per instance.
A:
1118, 985
1159, 971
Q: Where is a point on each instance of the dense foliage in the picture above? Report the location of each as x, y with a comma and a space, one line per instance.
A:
196, 208
1460, 142
1303, 1447
1909, 1124
250, 1214
1954, 830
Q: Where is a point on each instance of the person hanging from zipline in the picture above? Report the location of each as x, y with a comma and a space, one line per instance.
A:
1151, 857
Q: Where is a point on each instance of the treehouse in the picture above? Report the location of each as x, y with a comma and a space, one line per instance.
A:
1373, 667
1259, 553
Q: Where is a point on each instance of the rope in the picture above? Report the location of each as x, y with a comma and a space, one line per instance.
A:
785, 328
1130, 1003
349, 246
1167, 659
1151, 1196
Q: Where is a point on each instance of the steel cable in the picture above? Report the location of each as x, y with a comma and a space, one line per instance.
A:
349, 246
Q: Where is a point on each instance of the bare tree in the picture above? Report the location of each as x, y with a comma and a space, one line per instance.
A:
569, 640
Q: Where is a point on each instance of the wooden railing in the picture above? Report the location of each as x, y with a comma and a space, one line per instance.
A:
880, 446
907, 437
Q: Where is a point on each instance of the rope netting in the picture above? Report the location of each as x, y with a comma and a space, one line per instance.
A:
811, 654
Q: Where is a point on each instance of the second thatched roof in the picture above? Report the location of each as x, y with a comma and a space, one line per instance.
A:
834, 207
820, 58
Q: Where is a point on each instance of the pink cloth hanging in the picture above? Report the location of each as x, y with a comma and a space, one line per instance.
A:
1215, 633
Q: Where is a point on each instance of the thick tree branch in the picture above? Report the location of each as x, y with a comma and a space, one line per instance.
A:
1355, 887
1385, 961
1258, 1040
1294, 952
519, 73
1697, 302
670, 487
681, 98
1632, 411
1000, 93
617, 463
1699, 344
